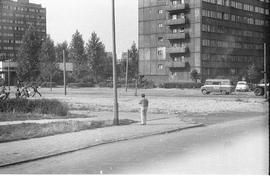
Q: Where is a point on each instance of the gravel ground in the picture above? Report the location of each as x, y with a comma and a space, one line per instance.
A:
161, 100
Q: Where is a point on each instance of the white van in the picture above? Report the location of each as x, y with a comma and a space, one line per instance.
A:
223, 86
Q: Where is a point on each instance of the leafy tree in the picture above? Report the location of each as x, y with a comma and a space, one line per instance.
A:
194, 75
28, 56
78, 57
47, 59
96, 56
252, 73
59, 51
108, 67
133, 56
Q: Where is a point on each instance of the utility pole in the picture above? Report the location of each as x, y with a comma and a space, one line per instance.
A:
9, 74
127, 71
265, 73
116, 118
64, 72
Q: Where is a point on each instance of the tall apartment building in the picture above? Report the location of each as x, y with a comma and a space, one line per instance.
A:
215, 37
15, 19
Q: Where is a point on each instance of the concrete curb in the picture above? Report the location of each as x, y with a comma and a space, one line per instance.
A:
102, 143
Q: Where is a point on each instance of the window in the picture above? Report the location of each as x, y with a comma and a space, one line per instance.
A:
239, 5
182, 15
219, 2
160, 66
160, 25
160, 39
225, 16
174, 17
174, 31
233, 4
160, 11
266, 11
174, 2
233, 17
181, 30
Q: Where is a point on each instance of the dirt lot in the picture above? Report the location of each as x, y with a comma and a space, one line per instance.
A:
161, 100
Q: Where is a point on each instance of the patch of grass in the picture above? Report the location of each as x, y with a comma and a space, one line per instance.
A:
34, 116
39, 106
33, 130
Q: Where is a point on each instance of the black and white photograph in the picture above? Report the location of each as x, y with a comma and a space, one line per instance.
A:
134, 87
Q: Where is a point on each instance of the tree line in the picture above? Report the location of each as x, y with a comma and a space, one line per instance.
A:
38, 60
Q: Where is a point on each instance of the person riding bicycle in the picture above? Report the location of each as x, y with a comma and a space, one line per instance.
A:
35, 89
3, 94
24, 92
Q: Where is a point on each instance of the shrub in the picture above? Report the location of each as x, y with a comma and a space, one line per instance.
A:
81, 84
147, 84
48, 84
41, 106
188, 85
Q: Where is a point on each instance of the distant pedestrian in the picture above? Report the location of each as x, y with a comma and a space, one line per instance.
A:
2, 92
17, 93
144, 106
25, 92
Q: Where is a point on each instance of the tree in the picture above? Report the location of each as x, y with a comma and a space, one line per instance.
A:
252, 73
59, 51
108, 67
133, 56
47, 59
28, 56
194, 75
96, 56
78, 57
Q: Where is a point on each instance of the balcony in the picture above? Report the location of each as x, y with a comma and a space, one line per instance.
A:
172, 64
176, 36
176, 50
178, 21
175, 8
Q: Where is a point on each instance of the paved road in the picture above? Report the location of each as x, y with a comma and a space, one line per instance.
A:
235, 147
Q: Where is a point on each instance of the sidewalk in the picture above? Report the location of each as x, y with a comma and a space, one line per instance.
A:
37, 148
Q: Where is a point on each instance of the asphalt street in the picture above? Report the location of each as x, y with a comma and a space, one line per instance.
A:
233, 147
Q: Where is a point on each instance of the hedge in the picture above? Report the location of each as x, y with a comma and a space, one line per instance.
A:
180, 85
40, 106
48, 84
74, 85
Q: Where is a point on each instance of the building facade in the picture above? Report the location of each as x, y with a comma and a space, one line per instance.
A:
218, 38
15, 19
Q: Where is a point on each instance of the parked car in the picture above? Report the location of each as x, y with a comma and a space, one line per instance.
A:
242, 86
223, 86
259, 89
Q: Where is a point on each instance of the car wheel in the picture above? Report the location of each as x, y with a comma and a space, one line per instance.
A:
258, 91
204, 92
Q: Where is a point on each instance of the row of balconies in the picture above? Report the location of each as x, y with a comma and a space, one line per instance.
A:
179, 21
172, 8
176, 7
176, 36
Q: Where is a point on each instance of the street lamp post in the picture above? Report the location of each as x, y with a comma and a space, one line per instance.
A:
127, 71
265, 73
116, 118
9, 75
64, 72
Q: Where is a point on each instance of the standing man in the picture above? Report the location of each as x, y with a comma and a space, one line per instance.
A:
144, 106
